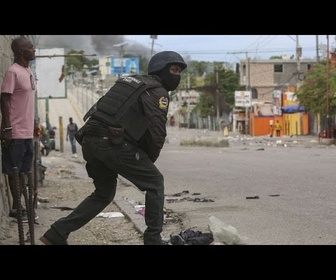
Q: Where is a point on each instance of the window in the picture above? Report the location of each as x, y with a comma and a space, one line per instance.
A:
278, 68
254, 92
237, 68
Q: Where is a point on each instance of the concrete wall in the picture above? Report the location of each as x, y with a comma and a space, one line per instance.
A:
6, 59
260, 75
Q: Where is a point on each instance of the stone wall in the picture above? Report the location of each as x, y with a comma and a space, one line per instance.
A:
6, 58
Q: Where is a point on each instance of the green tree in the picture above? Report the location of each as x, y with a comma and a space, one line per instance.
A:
219, 87
205, 105
191, 74
143, 65
198, 67
276, 57
312, 93
75, 61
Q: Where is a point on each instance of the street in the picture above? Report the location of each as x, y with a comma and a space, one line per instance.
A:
294, 186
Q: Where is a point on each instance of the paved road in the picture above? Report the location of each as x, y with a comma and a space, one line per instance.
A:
294, 185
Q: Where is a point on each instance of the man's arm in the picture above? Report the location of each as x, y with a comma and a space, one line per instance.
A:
5, 104
6, 127
67, 135
155, 107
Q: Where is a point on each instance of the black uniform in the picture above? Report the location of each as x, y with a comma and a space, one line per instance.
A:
124, 134
131, 158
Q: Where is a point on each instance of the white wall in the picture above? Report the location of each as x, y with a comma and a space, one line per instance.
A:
49, 63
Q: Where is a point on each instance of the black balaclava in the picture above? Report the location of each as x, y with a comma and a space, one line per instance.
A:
169, 80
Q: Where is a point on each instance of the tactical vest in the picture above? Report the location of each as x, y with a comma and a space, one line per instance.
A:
115, 107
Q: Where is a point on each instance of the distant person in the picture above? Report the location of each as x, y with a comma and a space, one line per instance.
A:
277, 127
123, 135
72, 128
271, 130
18, 112
44, 140
172, 121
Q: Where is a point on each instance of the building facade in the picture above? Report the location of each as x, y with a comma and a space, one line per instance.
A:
262, 77
269, 82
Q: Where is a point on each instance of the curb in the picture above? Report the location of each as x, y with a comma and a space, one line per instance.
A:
128, 210
126, 196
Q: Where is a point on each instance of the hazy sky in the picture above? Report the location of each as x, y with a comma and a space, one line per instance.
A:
228, 48
231, 48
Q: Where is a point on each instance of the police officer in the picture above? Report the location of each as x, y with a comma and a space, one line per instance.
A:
123, 134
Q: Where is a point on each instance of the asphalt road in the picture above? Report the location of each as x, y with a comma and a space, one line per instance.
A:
293, 187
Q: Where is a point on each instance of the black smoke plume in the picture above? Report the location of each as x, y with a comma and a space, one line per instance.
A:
101, 45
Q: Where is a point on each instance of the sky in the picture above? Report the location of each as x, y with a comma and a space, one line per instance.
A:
231, 48
226, 48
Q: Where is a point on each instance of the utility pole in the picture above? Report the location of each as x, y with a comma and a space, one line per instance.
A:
328, 134
298, 55
121, 60
121, 54
317, 50
217, 96
248, 88
153, 37
188, 100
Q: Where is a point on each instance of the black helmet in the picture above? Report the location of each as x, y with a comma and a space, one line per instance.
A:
161, 59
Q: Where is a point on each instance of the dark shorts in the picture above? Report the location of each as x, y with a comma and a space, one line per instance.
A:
20, 154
